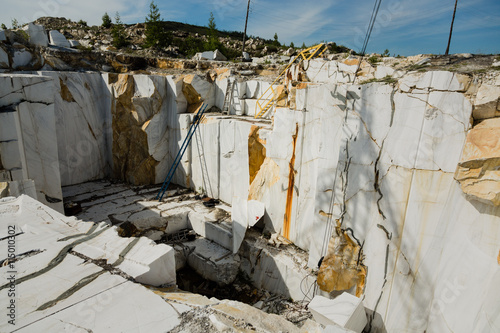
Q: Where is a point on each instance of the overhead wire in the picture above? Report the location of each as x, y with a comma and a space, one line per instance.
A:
329, 224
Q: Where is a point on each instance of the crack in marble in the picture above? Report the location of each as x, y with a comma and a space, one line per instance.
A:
376, 184
57, 260
90, 278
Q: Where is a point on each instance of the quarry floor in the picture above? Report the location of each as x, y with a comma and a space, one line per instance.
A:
136, 212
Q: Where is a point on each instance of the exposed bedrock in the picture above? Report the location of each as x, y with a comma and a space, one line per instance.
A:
377, 159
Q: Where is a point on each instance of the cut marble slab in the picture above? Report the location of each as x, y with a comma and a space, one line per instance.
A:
345, 310
39, 137
141, 258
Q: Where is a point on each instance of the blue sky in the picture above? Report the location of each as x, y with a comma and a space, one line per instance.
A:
405, 27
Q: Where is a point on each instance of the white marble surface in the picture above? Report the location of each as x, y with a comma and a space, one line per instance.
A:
345, 310
324, 71
45, 230
143, 260
40, 148
38, 35
82, 107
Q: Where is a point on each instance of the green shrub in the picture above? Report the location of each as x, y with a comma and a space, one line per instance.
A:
373, 59
189, 46
15, 24
82, 22
4, 27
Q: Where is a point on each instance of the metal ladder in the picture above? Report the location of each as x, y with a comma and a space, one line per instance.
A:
228, 98
192, 129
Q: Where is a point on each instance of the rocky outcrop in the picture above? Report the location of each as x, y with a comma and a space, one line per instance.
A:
477, 171
487, 104
130, 118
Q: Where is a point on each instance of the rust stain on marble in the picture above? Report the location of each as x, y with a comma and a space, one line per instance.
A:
256, 152
342, 267
325, 214
498, 258
65, 93
291, 182
268, 175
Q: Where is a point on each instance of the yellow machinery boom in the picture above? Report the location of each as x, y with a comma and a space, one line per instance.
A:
269, 98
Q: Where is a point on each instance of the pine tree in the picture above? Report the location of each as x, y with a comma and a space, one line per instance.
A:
213, 40
106, 20
118, 33
4, 27
156, 36
276, 42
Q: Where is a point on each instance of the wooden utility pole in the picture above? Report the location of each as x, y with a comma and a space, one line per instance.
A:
245, 33
451, 29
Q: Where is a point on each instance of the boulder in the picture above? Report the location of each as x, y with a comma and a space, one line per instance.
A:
21, 58
58, 39
290, 51
38, 35
73, 43
218, 56
487, 102
477, 171
3, 38
207, 55
246, 56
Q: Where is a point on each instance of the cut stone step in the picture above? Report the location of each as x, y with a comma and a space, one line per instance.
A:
212, 261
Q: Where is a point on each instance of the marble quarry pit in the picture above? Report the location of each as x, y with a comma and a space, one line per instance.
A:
377, 198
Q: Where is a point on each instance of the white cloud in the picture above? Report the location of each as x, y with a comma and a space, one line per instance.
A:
89, 10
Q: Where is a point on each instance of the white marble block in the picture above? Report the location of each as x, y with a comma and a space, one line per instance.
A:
58, 39
346, 311
37, 34
40, 147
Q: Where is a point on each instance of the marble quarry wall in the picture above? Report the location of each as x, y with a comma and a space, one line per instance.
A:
28, 140
394, 185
